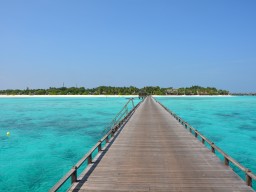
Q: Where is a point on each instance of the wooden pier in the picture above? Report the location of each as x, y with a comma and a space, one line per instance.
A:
153, 152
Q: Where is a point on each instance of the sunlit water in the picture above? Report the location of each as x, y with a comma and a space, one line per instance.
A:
230, 122
48, 136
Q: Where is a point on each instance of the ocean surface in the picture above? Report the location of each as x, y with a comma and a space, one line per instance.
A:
48, 136
230, 122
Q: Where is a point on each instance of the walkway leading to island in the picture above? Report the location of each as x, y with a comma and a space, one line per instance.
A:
153, 152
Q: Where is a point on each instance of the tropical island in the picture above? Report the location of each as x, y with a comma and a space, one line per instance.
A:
109, 90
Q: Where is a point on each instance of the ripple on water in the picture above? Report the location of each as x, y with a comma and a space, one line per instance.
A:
69, 155
38, 175
216, 138
225, 115
247, 127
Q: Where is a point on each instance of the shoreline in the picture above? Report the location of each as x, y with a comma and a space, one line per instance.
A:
103, 96
64, 96
192, 96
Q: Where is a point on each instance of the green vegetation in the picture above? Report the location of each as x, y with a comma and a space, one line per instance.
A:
108, 90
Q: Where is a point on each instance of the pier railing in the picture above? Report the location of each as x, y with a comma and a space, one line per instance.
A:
249, 176
119, 120
121, 114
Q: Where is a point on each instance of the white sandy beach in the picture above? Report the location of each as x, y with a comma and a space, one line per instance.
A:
22, 96
192, 96
95, 96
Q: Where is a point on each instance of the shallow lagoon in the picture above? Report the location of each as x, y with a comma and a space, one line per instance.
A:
48, 136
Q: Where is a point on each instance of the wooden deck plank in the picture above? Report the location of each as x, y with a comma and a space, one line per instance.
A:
153, 152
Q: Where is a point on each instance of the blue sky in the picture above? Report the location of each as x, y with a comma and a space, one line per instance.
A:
86, 43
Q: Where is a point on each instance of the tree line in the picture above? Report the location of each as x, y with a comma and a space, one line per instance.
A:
109, 90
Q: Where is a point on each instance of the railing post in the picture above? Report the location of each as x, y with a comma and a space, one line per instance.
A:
190, 129
90, 159
196, 134
74, 175
112, 133
248, 178
212, 146
226, 161
99, 147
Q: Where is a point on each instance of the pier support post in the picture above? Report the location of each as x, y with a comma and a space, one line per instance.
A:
212, 147
196, 134
99, 147
248, 178
90, 159
226, 161
74, 175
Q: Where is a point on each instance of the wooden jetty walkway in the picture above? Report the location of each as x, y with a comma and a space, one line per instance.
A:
154, 152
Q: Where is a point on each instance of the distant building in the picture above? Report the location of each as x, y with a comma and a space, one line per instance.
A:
142, 94
171, 91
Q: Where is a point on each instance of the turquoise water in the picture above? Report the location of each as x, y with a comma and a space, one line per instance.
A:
48, 136
230, 122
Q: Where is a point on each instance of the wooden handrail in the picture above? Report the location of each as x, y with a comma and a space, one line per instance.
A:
119, 115
72, 173
227, 159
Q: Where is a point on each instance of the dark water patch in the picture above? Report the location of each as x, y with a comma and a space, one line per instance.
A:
253, 138
197, 123
189, 109
67, 122
34, 179
25, 119
247, 127
83, 128
96, 134
36, 136
69, 154
215, 138
31, 130
229, 115
53, 145
10, 122
57, 124
224, 115
86, 119
3, 138
236, 114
